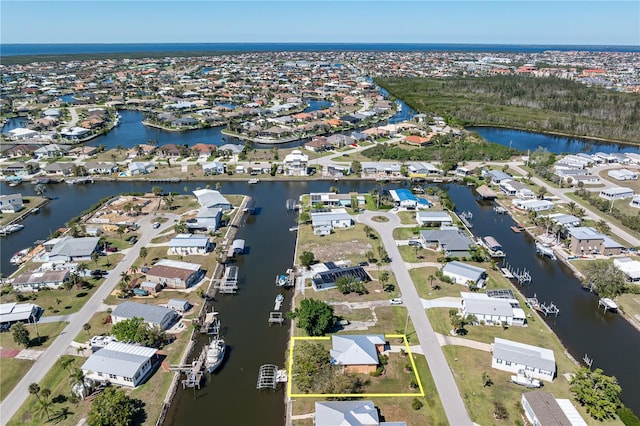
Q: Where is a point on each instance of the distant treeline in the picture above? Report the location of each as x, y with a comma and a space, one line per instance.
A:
67, 57
448, 149
538, 104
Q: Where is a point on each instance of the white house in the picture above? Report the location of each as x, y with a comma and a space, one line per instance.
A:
212, 199
21, 133
186, 244
121, 364
37, 280
23, 312
514, 188
492, 310
295, 163
152, 315
323, 221
141, 168
213, 168
629, 267
616, 193
207, 219
539, 363
533, 205
68, 249
462, 273
623, 174
635, 202
543, 409
433, 218
11, 203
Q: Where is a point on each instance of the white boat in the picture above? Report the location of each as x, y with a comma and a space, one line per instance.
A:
293, 228
545, 250
281, 280
215, 354
522, 379
10, 229
608, 304
494, 247
18, 257
278, 302
254, 180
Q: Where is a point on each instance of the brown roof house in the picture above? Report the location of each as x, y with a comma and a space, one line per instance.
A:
357, 353
174, 273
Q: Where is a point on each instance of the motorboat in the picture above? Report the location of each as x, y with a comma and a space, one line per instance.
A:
215, 354
10, 229
545, 250
18, 257
253, 180
278, 302
281, 280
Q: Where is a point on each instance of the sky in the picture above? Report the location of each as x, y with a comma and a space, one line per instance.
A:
358, 21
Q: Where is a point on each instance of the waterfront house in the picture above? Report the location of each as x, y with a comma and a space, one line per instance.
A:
11, 203
617, 193
463, 273
434, 218
318, 144
59, 169
452, 242
19, 312
186, 244
422, 170
295, 163
230, 149
82, 151
329, 199
336, 218
543, 409
537, 362
357, 353
565, 220
351, 413
170, 150
69, 249
179, 305
404, 198
207, 219
98, 168
17, 169
586, 240
326, 274
213, 168
174, 273
212, 199
152, 315
121, 364
629, 267
514, 188
533, 205
496, 176
21, 133
38, 280
492, 310
140, 168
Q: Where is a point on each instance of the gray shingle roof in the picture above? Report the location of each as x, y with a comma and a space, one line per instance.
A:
546, 409
356, 350
347, 413
451, 239
468, 271
149, 313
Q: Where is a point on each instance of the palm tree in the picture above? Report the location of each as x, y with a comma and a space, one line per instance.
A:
95, 257
82, 267
603, 227
572, 207
143, 252
34, 389
124, 277
87, 327
120, 230
40, 190
66, 362
368, 231
44, 403
61, 414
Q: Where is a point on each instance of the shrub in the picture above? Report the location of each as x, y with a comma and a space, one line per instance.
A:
408, 367
378, 372
413, 383
416, 404
628, 417
500, 411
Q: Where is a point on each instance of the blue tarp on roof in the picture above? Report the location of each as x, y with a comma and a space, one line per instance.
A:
405, 194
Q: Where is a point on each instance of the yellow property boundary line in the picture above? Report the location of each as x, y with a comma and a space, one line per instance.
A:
351, 395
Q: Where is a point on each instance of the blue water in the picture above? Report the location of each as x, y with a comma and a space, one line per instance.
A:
524, 141
317, 105
13, 49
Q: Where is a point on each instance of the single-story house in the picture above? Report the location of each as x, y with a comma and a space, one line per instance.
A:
326, 275
23, 312
539, 363
141, 168
21, 133
543, 409
99, 168
565, 220
616, 193
492, 310
37, 280
586, 240
357, 353
533, 205
11, 203
452, 242
174, 273
462, 273
152, 315
422, 169
185, 244
404, 198
337, 218
213, 168
436, 218
50, 151
207, 219
635, 202
623, 174
513, 188
629, 267
68, 249
335, 200
151, 288
121, 364
497, 176
212, 199
352, 413
179, 305
60, 169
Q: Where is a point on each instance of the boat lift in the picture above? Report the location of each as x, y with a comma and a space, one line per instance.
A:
269, 376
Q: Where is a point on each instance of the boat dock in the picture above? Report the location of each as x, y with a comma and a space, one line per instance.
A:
269, 376
192, 371
229, 282
237, 248
506, 273
80, 180
276, 318
545, 250
550, 309
500, 210
465, 217
522, 276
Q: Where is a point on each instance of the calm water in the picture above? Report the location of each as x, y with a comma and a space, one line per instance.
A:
11, 49
523, 141
609, 340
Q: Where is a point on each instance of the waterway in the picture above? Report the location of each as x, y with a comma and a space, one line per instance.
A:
607, 338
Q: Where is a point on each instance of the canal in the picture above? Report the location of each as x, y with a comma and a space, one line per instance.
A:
607, 338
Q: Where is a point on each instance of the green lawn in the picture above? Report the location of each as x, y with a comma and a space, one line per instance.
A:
48, 333
29, 203
422, 282
12, 371
99, 326
416, 255
343, 244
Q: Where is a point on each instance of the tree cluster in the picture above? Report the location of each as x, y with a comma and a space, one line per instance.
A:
631, 221
314, 316
137, 331
604, 278
597, 392
114, 408
346, 285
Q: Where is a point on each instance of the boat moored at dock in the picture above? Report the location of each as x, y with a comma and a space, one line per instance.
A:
215, 354
494, 247
545, 250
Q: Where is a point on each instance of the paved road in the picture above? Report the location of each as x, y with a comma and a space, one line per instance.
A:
442, 376
19, 394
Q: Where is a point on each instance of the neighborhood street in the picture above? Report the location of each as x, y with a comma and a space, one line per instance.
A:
19, 394
438, 366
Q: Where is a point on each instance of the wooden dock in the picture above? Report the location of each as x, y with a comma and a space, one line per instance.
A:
276, 318
193, 372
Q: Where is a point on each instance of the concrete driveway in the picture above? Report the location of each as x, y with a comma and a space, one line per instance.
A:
445, 384
19, 394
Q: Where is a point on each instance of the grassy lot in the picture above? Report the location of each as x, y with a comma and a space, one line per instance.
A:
333, 295
406, 233
630, 305
60, 302
416, 254
29, 203
343, 244
468, 365
165, 237
57, 381
48, 333
99, 326
422, 282
407, 217
12, 371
